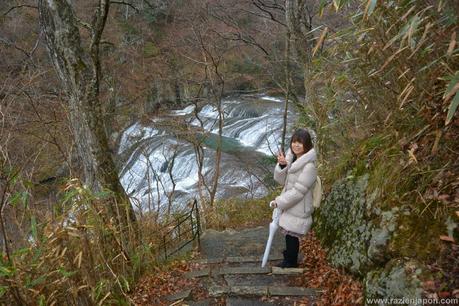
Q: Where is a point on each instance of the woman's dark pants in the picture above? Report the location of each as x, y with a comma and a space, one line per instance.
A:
291, 253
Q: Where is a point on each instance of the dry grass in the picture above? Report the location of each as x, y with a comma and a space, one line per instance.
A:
388, 99
239, 213
77, 256
386, 108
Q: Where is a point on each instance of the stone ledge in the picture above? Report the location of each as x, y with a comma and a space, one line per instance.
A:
292, 291
244, 270
179, 295
235, 259
198, 273
208, 261
287, 271
249, 290
251, 259
216, 291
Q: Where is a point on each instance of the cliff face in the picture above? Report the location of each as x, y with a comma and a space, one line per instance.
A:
369, 240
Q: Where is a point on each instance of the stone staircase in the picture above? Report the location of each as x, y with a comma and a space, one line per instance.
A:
230, 271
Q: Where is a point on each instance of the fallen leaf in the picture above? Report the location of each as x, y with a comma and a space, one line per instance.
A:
446, 238
429, 285
444, 294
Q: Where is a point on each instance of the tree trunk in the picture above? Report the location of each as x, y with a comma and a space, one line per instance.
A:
79, 71
299, 23
287, 91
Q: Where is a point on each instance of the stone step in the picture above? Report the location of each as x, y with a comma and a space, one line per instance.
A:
215, 291
206, 302
286, 271
236, 259
198, 273
181, 295
255, 279
239, 301
268, 301
243, 270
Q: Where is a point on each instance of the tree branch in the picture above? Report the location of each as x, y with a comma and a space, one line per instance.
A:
238, 35
262, 8
11, 44
128, 4
18, 6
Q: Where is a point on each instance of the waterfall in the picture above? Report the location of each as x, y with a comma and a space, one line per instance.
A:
252, 130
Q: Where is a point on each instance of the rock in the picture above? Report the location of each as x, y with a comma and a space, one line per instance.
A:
244, 270
287, 271
238, 301
398, 279
198, 273
249, 290
343, 227
292, 291
179, 295
367, 238
218, 290
381, 234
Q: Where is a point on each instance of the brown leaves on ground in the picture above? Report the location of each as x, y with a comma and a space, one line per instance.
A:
444, 280
153, 288
337, 287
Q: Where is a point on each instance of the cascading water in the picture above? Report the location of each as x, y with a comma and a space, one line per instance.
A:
158, 160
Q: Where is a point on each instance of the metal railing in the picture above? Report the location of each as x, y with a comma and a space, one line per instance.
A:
185, 230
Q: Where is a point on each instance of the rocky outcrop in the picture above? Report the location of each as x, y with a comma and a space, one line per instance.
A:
361, 235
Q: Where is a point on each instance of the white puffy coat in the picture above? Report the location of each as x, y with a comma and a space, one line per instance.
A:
295, 201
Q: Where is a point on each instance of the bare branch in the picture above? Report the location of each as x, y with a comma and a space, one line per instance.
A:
128, 4
238, 36
274, 6
98, 24
36, 45
85, 25
11, 44
264, 16
261, 6
18, 6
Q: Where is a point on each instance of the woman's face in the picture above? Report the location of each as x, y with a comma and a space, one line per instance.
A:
297, 148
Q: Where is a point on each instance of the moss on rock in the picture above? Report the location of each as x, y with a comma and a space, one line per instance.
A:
417, 236
399, 279
383, 245
342, 224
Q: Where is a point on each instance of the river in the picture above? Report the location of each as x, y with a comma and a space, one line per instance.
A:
251, 134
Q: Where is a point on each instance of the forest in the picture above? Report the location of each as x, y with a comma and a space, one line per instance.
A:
117, 118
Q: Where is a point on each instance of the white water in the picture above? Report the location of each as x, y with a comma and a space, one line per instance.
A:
252, 124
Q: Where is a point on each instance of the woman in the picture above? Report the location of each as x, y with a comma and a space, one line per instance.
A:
297, 172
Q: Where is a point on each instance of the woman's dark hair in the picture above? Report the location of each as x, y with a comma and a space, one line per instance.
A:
303, 136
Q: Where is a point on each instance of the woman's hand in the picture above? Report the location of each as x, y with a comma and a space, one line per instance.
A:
281, 159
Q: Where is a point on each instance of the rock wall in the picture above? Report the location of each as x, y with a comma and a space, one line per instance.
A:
360, 235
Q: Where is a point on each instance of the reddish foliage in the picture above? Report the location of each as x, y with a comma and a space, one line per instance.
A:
337, 287
154, 288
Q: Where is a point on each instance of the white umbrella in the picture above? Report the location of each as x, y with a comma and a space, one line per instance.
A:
273, 226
